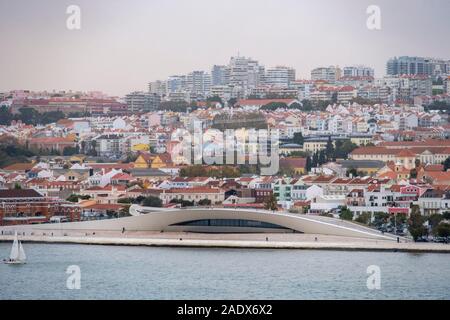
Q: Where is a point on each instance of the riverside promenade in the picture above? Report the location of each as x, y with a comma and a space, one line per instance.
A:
199, 240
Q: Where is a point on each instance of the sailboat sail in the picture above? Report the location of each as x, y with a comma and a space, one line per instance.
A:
15, 249
22, 256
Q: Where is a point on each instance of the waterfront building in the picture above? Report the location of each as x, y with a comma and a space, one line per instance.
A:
27, 206
193, 194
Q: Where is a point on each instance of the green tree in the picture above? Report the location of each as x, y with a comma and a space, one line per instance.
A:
351, 171
232, 102
334, 98
434, 220
443, 230
83, 146
12, 152
215, 99
308, 165
5, 116
342, 149
329, 149
322, 157
75, 197
298, 138
126, 200
413, 173
301, 154
93, 151
152, 201
271, 203
416, 221
183, 203
446, 164
397, 219
204, 202
346, 214
70, 151
315, 160
363, 218
274, 106
380, 218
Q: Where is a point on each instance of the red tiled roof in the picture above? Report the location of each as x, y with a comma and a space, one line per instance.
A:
294, 162
20, 193
19, 167
122, 176
194, 190
50, 140
111, 166
324, 179
262, 102
105, 206
425, 143
434, 167
372, 150
406, 153
107, 188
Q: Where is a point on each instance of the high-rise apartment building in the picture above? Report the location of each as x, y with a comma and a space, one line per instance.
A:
142, 101
330, 74
219, 75
245, 72
279, 76
158, 87
176, 83
417, 66
198, 82
406, 87
358, 71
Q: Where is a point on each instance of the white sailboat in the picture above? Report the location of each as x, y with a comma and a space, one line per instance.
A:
17, 255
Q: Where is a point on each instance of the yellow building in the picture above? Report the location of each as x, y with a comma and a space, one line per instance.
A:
161, 161
77, 158
144, 161
153, 161
361, 140
314, 146
140, 147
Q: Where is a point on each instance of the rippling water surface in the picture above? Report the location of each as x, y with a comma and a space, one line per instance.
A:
114, 272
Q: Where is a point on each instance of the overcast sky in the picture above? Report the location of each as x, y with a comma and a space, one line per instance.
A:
124, 44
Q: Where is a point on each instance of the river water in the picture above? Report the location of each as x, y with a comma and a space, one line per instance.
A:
119, 272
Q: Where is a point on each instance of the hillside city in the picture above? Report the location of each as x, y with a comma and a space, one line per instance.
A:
375, 150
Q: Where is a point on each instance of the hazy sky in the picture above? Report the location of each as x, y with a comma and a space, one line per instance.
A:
124, 44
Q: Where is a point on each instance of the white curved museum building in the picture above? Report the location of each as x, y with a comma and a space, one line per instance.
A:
221, 220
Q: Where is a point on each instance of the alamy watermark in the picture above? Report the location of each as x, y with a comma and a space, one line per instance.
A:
73, 282
374, 20
374, 280
73, 21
